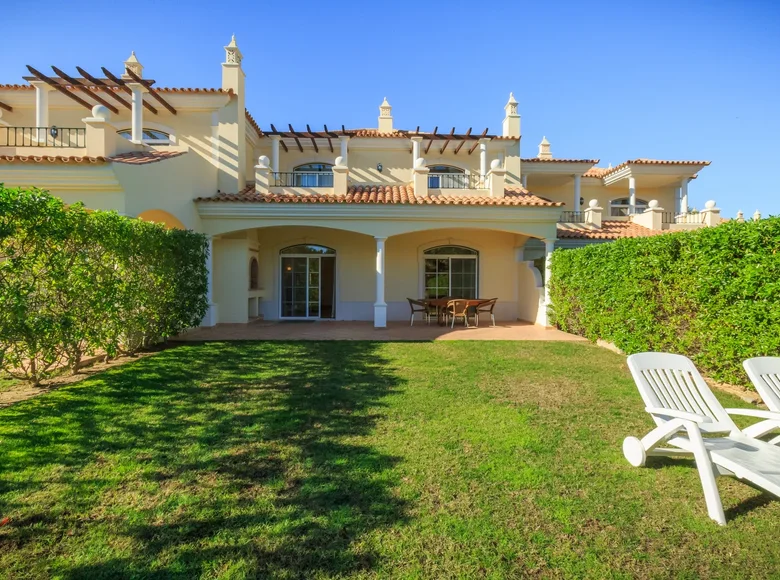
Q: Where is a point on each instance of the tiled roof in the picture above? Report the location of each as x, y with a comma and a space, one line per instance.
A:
144, 157
50, 159
610, 230
253, 123
385, 194
642, 161
119, 89
398, 133
597, 172
537, 160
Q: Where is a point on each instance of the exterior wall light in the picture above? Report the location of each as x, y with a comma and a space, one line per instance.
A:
582, 201
54, 131
379, 167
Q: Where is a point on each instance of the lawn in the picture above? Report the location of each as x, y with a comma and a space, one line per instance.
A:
360, 460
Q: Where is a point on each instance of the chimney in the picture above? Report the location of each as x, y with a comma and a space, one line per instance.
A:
135, 66
232, 124
385, 117
511, 126
544, 149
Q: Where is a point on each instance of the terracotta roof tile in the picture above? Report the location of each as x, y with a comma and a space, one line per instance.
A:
385, 194
642, 161
144, 157
119, 89
50, 159
597, 172
556, 160
610, 230
253, 123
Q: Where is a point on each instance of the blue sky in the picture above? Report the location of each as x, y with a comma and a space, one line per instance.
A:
607, 80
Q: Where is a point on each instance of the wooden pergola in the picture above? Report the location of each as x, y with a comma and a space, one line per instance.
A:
328, 135
96, 88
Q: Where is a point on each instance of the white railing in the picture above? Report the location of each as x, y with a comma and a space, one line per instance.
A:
689, 218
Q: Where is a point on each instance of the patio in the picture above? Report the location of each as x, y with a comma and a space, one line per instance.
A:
395, 331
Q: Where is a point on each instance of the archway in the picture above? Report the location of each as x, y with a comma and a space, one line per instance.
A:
161, 217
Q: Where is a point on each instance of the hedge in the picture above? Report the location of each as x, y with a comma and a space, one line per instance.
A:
74, 282
712, 294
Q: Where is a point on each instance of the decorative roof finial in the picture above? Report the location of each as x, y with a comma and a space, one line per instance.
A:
385, 117
544, 149
740, 217
232, 52
134, 65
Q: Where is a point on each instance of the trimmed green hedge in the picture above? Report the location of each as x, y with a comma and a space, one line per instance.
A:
73, 282
712, 294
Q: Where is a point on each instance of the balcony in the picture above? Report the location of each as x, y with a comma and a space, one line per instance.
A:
55, 137
572, 217
303, 179
455, 181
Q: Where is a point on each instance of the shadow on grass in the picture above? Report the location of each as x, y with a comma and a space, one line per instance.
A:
217, 457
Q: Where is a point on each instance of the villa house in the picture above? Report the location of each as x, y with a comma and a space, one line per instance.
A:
329, 222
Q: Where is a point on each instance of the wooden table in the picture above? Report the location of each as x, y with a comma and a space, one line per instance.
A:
441, 304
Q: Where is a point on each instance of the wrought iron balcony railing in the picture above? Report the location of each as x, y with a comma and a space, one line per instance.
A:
43, 137
456, 181
301, 179
572, 217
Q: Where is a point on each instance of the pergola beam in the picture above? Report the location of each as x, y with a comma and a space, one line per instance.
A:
151, 90
468, 133
282, 143
295, 136
51, 82
76, 84
327, 135
447, 142
5, 107
484, 133
98, 83
122, 84
313, 142
428, 146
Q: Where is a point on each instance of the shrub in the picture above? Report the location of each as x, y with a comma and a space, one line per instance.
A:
73, 282
712, 294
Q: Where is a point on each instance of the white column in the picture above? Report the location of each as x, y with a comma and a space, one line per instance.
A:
41, 108
416, 149
380, 306
275, 139
524, 180
684, 195
483, 157
577, 193
210, 319
632, 193
137, 112
344, 141
549, 247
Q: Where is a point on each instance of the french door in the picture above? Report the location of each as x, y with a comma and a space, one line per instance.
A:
308, 286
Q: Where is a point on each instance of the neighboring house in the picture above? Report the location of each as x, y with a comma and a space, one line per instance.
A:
328, 222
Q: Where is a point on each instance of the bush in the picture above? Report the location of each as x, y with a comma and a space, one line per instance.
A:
73, 282
712, 294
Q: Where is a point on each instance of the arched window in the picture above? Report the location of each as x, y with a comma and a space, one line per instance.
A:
450, 271
622, 206
313, 175
150, 136
447, 177
254, 274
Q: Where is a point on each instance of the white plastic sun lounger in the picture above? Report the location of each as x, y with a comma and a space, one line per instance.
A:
764, 373
691, 420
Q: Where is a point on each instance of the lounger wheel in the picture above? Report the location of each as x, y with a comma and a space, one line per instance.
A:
634, 451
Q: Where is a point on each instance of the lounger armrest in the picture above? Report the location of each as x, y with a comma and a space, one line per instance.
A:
674, 413
759, 413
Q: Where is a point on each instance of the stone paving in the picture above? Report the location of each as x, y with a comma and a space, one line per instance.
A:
395, 331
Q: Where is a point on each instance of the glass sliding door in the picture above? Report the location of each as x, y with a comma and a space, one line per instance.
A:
305, 269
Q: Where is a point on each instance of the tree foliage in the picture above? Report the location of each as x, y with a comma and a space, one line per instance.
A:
712, 294
73, 282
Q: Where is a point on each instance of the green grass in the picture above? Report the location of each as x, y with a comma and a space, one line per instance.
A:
360, 460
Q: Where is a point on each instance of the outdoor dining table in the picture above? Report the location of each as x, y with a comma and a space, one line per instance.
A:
441, 304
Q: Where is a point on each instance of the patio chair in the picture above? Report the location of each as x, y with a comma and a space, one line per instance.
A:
764, 373
421, 307
694, 423
486, 306
458, 309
